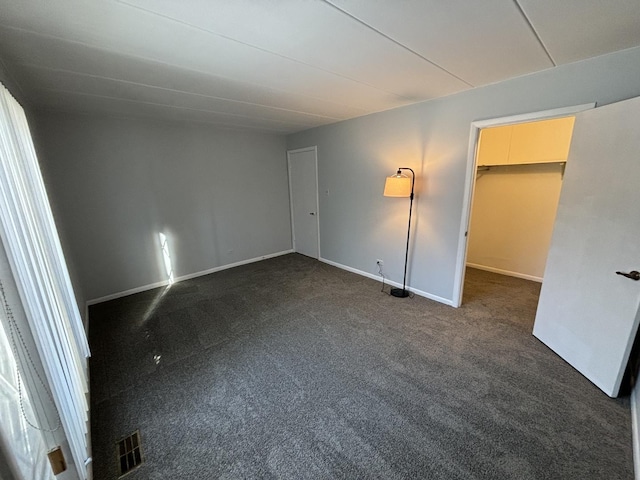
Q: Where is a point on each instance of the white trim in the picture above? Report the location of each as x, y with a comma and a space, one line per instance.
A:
188, 276
126, 293
469, 184
293, 230
304, 149
505, 272
420, 293
635, 431
313, 149
317, 200
533, 116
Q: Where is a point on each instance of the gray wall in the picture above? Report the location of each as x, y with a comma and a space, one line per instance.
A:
358, 225
10, 84
220, 196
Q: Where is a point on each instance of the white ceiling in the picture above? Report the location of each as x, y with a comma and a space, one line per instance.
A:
287, 65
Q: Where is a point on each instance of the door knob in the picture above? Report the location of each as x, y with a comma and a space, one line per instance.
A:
633, 275
312, 213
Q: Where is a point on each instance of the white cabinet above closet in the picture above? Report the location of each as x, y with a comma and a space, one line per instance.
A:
546, 141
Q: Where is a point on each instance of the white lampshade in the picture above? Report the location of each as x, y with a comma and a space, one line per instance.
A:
398, 185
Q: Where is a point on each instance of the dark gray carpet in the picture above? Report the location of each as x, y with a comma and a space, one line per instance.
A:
292, 369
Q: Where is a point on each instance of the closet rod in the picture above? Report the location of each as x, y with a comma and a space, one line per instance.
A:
488, 167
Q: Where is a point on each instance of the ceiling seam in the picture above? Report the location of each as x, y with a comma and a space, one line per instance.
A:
264, 50
168, 106
396, 42
159, 62
535, 32
184, 92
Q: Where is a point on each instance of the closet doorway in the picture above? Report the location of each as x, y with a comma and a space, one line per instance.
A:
519, 176
516, 168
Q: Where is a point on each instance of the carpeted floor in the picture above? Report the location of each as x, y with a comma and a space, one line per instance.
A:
292, 369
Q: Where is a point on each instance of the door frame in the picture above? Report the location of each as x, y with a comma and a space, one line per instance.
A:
314, 149
469, 186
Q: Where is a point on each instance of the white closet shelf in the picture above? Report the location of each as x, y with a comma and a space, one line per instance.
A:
489, 166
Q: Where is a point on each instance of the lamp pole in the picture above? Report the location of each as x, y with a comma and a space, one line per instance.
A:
396, 292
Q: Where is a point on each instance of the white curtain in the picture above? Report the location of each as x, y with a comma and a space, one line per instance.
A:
29, 235
23, 444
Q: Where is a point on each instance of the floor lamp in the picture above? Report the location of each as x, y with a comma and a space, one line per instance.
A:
400, 185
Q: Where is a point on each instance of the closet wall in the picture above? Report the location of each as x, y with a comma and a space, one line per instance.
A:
516, 196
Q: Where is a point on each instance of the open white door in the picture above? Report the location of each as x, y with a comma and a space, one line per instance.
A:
303, 191
587, 313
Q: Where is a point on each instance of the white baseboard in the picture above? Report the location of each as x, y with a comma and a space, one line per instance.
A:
421, 293
635, 430
126, 293
505, 272
163, 283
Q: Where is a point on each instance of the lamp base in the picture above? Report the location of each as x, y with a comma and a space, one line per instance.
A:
399, 292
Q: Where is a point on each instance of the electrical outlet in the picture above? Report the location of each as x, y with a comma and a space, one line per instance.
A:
380, 263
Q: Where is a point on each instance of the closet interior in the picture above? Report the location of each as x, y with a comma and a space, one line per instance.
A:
519, 176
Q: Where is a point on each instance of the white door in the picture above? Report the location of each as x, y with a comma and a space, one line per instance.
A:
587, 313
303, 192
